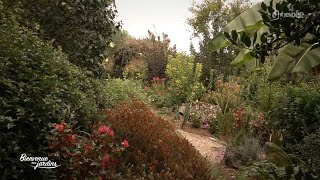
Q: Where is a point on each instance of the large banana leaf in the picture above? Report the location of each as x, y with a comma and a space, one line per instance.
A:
287, 55
309, 60
305, 54
243, 57
244, 54
248, 20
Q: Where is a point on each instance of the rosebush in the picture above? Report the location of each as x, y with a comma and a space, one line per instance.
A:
93, 155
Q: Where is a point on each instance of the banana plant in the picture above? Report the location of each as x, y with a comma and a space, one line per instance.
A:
292, 40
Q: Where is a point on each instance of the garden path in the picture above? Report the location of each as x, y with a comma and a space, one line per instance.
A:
201, 139
208, 147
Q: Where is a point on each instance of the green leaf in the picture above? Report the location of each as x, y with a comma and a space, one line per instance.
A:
263, 6
277, 155
234, 35
264, 29
287, 55
263, 39
255, 35
308, 60
218, 42
245, 39
248, 20
243, 57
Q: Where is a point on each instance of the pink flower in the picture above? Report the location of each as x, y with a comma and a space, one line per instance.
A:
72, 138
102, 129
60, 127
106, 129
125, 143
110, 132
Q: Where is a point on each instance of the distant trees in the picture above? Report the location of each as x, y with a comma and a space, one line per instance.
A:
148, 56
209, 17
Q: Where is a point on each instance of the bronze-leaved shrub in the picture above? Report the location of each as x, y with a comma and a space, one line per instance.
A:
156, 150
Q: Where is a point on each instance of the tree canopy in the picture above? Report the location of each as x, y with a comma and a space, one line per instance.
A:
82, 29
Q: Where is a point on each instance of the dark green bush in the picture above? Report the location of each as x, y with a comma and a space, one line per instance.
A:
156, 151
308, 150
297, 113
263, 170
37, 84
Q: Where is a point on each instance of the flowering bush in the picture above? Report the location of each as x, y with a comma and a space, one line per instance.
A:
239, 118
258, 122
201, 113
94, 155
232, 117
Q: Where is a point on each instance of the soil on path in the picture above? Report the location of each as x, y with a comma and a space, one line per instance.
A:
208, 146
202, 140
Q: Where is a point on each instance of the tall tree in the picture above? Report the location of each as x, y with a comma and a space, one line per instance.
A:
209, 17
82, 29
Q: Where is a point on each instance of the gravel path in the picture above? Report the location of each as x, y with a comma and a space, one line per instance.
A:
209, 147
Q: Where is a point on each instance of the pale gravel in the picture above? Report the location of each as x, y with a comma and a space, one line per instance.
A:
209, 147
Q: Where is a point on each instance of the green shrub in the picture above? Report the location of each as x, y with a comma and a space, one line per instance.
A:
156, 150
297, 114
263, 170
116, 90
308, 150
195, 119
227, 96
38, 85
243, 151
184, 84
266, 170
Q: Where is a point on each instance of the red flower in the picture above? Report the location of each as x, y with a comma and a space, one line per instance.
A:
110, 132
72, 138
60, 127
105, 160
125, 143
102, 129
106, 129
